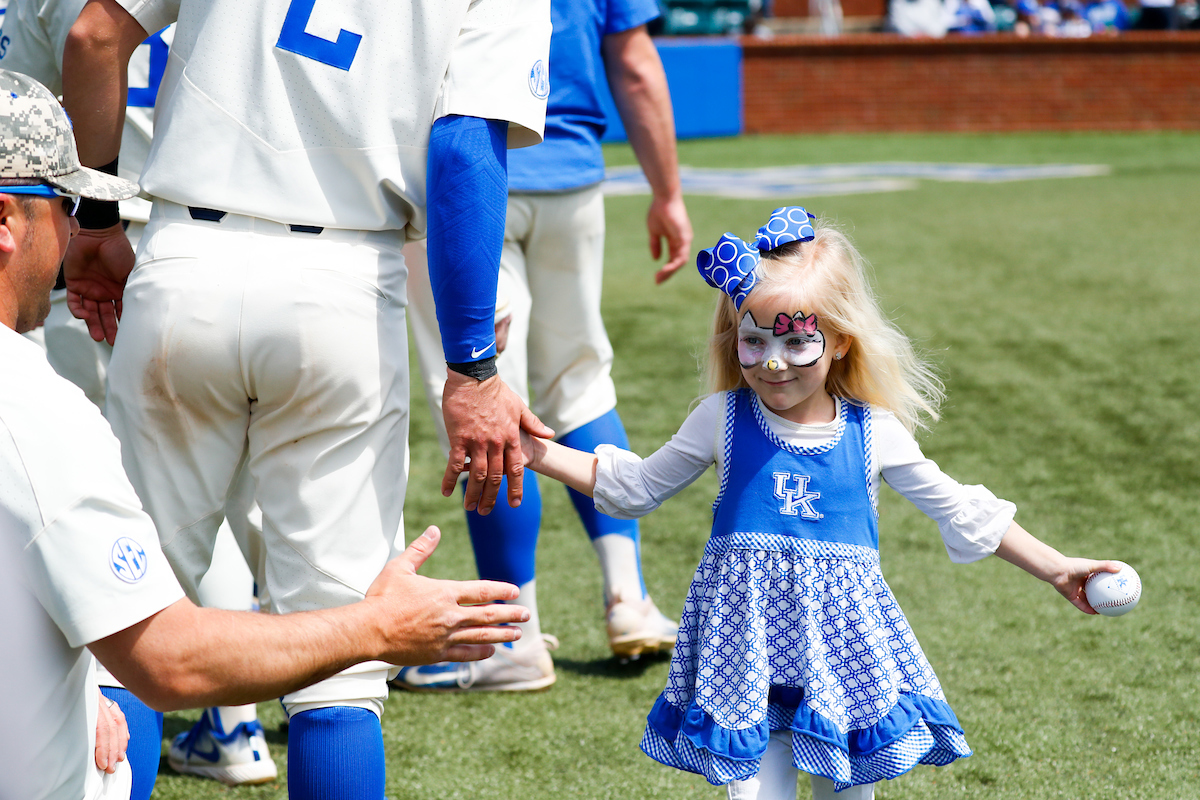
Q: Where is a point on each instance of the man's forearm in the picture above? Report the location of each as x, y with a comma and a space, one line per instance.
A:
639, 89
468, 200
187, 657
95, 63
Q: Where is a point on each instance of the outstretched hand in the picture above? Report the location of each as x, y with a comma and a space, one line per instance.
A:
484, 420
96, 267
426, 620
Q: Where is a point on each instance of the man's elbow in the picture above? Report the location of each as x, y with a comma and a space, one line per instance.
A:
93, 33
169, 688
103, 30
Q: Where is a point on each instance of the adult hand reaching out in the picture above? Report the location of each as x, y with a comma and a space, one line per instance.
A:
435, 620
484, 420
97, 264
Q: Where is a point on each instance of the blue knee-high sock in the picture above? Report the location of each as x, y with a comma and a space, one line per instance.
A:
335, 754
505, 541
145, 739
602, 430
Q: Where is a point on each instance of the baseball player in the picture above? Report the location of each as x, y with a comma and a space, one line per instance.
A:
558, 351
265, 317
33, 38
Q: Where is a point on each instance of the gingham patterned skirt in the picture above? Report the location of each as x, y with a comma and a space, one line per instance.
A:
780, 633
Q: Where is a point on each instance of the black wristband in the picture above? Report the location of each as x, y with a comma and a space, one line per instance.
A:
97, 214
479, 370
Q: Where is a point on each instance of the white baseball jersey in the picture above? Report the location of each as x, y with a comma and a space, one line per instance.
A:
32, 42
79, 561
319, 113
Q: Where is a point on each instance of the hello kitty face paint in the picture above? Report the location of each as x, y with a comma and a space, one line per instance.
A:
791, 340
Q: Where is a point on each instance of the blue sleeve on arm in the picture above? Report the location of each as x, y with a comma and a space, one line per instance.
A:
468, 198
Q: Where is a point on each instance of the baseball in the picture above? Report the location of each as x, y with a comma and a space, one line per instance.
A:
1114, 593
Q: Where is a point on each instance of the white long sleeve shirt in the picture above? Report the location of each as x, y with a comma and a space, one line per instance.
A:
971, 519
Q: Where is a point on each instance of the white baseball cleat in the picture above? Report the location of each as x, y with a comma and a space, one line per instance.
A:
234, 758
510, 669
637, 626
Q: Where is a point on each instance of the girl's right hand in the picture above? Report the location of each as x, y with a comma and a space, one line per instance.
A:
575, 468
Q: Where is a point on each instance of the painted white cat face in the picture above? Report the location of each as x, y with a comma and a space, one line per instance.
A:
793, 340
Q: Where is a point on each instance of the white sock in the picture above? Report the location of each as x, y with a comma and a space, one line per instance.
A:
531, 631
620, 566
226, 718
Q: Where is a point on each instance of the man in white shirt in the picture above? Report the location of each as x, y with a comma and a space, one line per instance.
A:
80, 565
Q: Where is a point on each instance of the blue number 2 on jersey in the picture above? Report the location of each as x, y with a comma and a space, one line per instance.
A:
144, 96
294, 39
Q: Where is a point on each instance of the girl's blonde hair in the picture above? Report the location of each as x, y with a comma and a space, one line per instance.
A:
880, 367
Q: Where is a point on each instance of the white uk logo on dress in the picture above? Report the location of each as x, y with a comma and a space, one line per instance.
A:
798, 501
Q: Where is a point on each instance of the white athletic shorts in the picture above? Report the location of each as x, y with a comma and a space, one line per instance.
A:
558, 358
246, 338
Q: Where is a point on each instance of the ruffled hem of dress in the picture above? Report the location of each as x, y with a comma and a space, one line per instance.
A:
918, 730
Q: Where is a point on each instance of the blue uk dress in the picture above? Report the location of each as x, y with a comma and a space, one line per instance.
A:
789, 624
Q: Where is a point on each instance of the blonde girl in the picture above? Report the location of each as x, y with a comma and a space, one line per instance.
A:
793, 655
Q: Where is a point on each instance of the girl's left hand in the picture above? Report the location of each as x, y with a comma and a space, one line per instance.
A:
1073, 578
1068, 575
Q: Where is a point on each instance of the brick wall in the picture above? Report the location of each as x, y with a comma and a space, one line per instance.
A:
880, 82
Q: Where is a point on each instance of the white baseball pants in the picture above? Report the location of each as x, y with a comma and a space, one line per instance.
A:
243, 338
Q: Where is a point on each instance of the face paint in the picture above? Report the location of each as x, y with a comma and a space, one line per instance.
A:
792, 341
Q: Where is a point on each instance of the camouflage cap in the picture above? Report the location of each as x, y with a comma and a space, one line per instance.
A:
36, 142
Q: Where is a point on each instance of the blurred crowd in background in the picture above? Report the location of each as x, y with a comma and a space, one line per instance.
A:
931, 18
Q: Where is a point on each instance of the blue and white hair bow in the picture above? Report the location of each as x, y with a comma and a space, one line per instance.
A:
731, 265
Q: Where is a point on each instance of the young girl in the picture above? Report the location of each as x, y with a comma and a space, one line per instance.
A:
792, 653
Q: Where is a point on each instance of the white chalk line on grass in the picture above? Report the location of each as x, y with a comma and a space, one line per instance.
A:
835, 179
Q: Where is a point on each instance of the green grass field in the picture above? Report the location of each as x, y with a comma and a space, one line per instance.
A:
1064, 317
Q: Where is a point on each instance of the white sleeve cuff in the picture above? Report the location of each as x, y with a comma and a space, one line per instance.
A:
619, 490
152, 15
974, 531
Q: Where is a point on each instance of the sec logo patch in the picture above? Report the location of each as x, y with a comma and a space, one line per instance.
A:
539, 80
129, 560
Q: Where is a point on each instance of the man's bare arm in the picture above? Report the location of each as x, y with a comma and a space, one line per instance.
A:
639, 88
95, 64
95, 82
187, 657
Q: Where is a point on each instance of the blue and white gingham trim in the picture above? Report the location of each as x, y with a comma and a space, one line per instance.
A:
791, 545
727, 444
801, 451
869, 459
